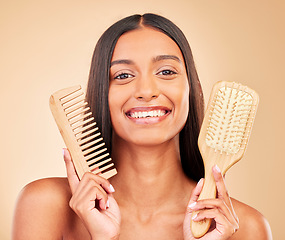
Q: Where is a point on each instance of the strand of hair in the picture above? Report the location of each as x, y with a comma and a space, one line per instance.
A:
89, 144
86, 140
92, 149
85, 134
84, 128
91, 156
92, 161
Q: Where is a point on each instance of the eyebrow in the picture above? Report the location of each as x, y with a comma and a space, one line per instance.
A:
155, 59
165, 57
122, 61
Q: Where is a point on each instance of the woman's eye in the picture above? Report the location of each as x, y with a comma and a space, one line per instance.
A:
166, 72
123, 76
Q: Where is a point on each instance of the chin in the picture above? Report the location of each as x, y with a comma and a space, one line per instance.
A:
150, 140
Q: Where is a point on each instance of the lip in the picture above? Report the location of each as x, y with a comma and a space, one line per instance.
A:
159, 113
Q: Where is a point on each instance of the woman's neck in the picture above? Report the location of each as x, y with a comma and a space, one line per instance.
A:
150, 176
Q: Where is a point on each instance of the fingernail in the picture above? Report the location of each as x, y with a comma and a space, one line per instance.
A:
108, 203
199, 182
112, 189
63, 152
192, 204
217, 168
194, 216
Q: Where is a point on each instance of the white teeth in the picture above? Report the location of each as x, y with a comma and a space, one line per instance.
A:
145, 114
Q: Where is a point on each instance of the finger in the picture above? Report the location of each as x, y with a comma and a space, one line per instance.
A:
193, 200
98, 198
195, 194
222, 189
208, 204
89, 196
98, 193
70, 170
212, 213
221, 186
73, 178
104, 183
222, 223
98, 187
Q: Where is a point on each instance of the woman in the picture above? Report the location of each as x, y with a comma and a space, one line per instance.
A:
149, 113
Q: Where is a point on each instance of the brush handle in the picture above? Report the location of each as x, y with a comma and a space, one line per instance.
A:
208, 192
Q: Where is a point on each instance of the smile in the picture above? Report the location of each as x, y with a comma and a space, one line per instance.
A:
148, 114
157, 113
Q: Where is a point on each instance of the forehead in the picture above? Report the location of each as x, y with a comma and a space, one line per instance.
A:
145, 42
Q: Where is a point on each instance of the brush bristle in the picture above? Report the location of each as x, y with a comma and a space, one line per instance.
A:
229, 120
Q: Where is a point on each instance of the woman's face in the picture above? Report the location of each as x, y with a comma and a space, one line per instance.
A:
149, 91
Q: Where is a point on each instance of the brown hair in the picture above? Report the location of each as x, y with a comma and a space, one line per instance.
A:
98, 86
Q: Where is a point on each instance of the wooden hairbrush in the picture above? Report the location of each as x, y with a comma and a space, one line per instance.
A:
79, 132
224, 135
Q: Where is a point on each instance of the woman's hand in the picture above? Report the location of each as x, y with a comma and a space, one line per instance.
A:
93, 202
220, 210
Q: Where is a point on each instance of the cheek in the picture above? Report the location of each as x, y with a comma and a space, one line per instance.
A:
181, 100
184, 95
116, 103
113, 106
181, 109
184, 111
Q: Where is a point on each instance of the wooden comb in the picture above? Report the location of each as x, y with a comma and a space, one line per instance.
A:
79, 132
224, 135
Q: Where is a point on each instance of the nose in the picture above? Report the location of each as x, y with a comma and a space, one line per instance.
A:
146, 89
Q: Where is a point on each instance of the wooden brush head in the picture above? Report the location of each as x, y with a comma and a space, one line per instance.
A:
79, 132
228, 121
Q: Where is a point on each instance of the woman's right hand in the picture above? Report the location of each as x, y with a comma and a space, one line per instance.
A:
93, 202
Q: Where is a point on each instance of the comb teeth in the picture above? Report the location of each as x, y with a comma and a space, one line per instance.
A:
81, 136
230, 119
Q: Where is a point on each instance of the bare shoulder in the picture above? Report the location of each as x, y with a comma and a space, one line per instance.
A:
52, 192
51, 188
40, 208
253, 225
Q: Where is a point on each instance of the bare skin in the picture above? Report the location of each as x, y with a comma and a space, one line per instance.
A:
153, 199
43, 212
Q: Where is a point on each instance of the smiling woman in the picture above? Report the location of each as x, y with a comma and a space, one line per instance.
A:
147, 100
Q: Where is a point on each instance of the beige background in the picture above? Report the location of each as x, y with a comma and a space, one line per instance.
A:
47, 45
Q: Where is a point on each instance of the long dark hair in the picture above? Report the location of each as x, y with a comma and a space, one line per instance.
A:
98, 86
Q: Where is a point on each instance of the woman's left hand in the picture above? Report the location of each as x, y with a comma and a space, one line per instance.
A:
224, 219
